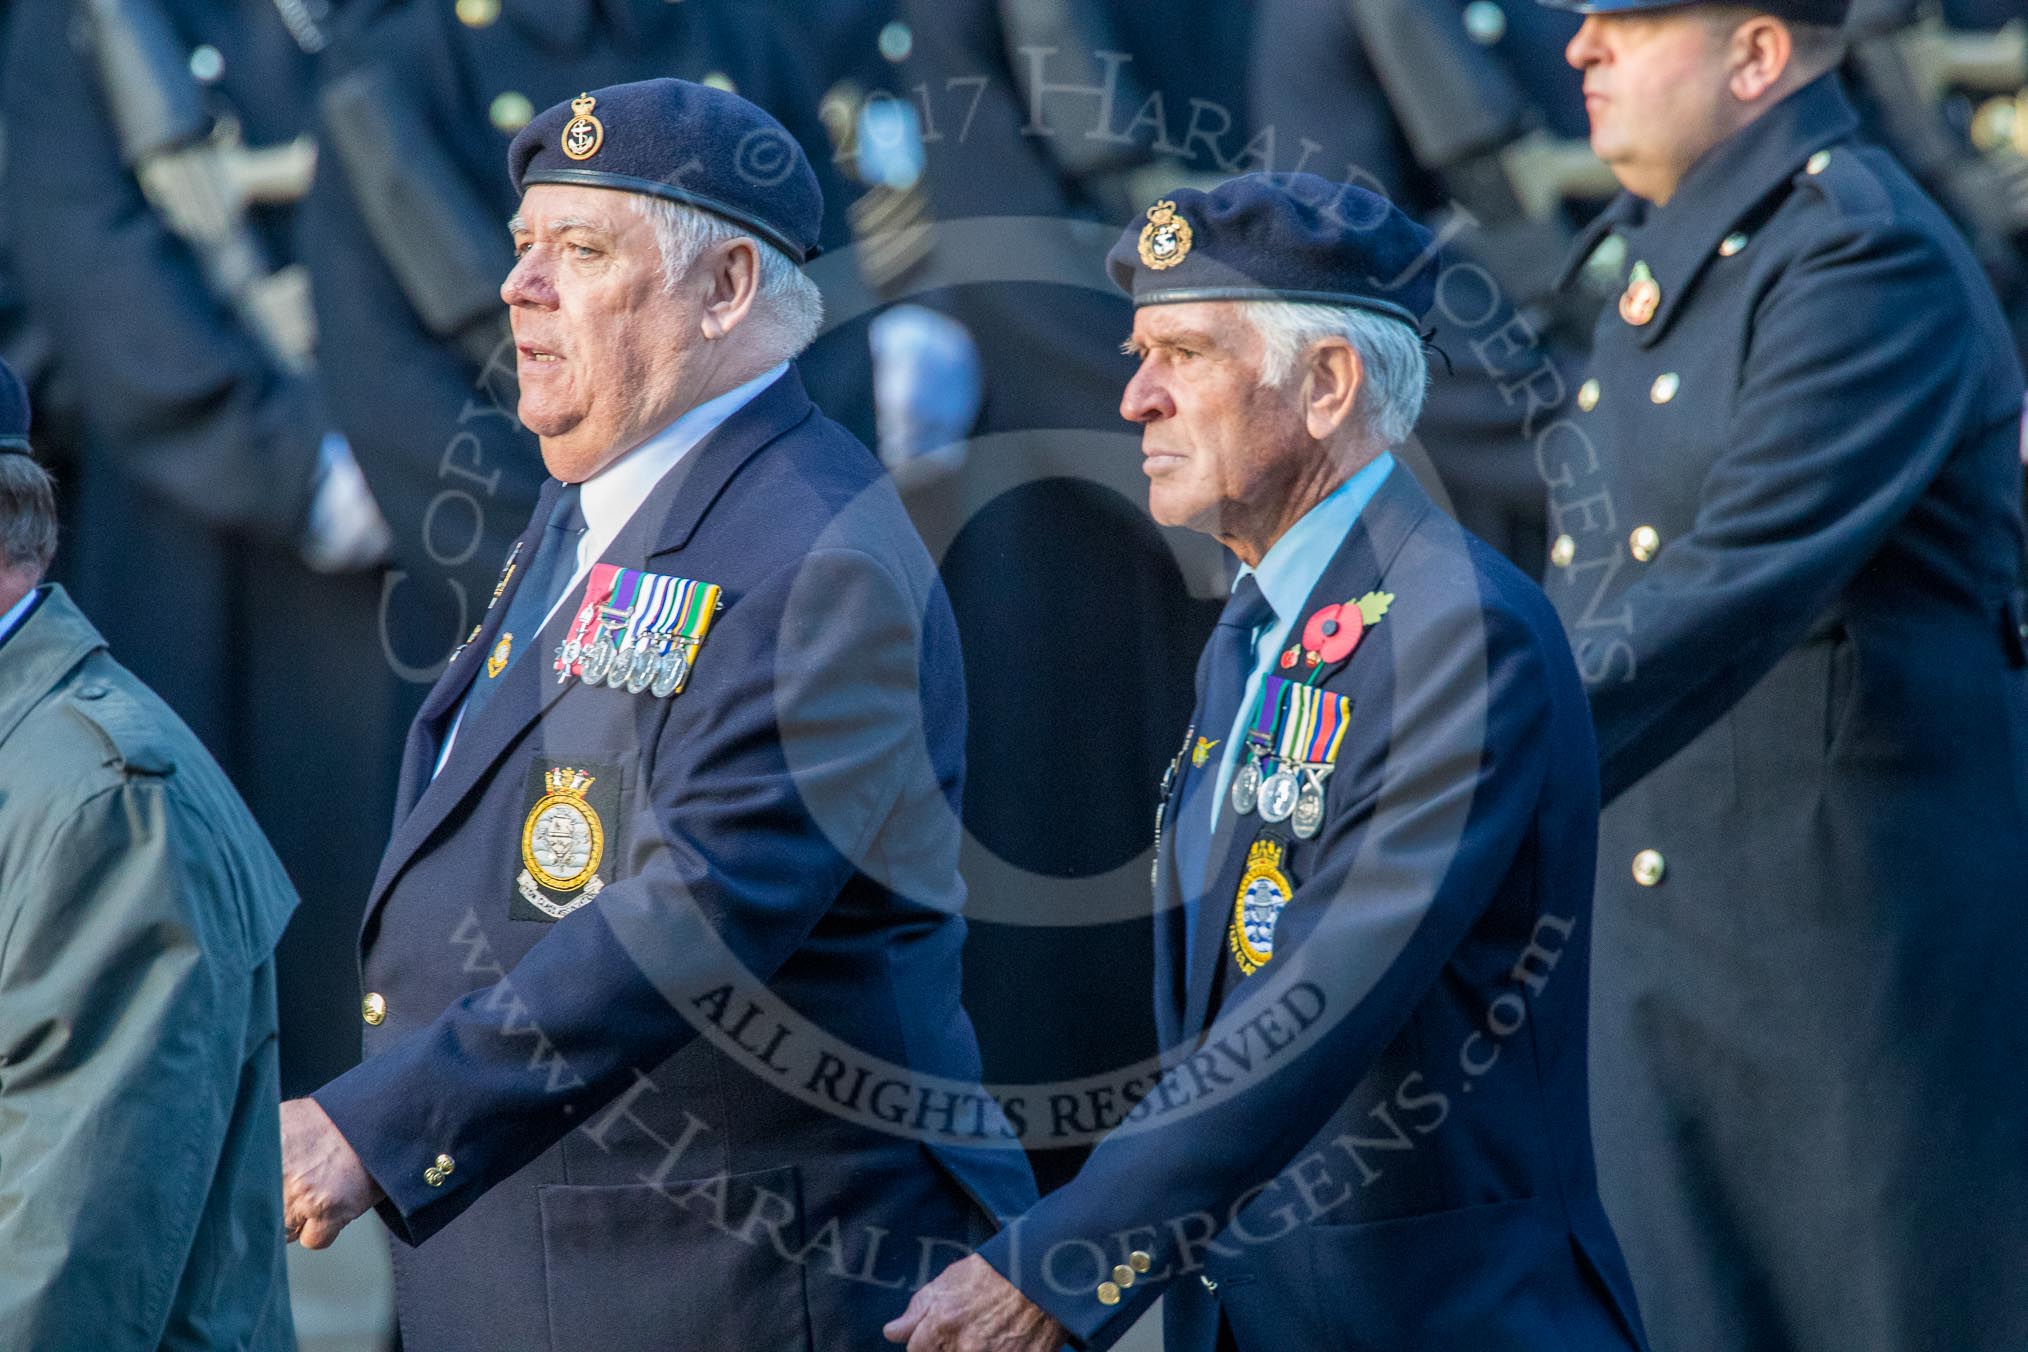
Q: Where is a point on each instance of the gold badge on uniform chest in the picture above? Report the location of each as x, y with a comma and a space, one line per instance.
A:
1264, 889
565, 839
1642, 297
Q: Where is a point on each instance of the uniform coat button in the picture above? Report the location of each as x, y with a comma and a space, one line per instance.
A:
1563, 551
1649, 866
1665, 387
1108, 1294
1645, 542
1140, 1260
1587, 395
373, 1008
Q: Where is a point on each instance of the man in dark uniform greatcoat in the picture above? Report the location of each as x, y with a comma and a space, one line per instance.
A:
1789, 560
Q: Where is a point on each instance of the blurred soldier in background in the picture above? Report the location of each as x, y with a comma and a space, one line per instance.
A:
1465, 116
154, 154
1947, 91
1945, 87
1792, 494
140, 1161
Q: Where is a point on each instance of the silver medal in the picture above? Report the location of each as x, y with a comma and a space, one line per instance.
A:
670, 669
623, 667
1246, 787
1308, 818
643, 673
1278, 796
598, 660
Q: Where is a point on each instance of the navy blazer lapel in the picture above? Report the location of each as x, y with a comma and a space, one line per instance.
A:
1359, 566
668, 519
426, 731
663, 523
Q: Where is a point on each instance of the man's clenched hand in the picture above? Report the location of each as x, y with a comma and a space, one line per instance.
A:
972, 1308
324, 1186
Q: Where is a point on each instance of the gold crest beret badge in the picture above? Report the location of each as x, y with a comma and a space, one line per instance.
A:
1165, 239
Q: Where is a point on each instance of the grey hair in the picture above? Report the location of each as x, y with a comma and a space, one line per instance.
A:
1390, 353
788, 308
27, 515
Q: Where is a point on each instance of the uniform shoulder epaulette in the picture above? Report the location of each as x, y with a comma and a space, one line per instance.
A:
134, 735
1841, 177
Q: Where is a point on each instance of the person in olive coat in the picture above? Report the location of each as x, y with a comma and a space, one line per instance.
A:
1788, 511
140, 1155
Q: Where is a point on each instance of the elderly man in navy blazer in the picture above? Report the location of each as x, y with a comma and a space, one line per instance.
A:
663, 1044
1374, 866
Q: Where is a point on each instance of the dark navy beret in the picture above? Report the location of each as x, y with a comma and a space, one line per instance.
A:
689, 143
13, 411
1829, 13
1288, 237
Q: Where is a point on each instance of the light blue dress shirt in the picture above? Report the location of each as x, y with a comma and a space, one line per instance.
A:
1287, 574
18, 612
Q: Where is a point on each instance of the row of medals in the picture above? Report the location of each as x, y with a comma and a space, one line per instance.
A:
1293, 793
628, 666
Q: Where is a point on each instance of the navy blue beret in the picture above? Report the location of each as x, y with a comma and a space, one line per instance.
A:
1829, 13
13, 411
1289, 237
685, 142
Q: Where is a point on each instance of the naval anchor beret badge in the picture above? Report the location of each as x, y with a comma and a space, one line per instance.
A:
563, 841
583, 134
1165, 239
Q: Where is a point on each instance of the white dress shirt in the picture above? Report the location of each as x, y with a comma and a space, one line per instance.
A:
610, 498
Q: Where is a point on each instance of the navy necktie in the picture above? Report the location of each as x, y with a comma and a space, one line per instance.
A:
554, 564
1228, 661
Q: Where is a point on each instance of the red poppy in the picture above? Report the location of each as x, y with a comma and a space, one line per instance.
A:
1333, 632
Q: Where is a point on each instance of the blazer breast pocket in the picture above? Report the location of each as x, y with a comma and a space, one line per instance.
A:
630, 1268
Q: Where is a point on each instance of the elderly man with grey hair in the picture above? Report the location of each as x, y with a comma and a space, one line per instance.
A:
140, 1202
1373, 861
669, 923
